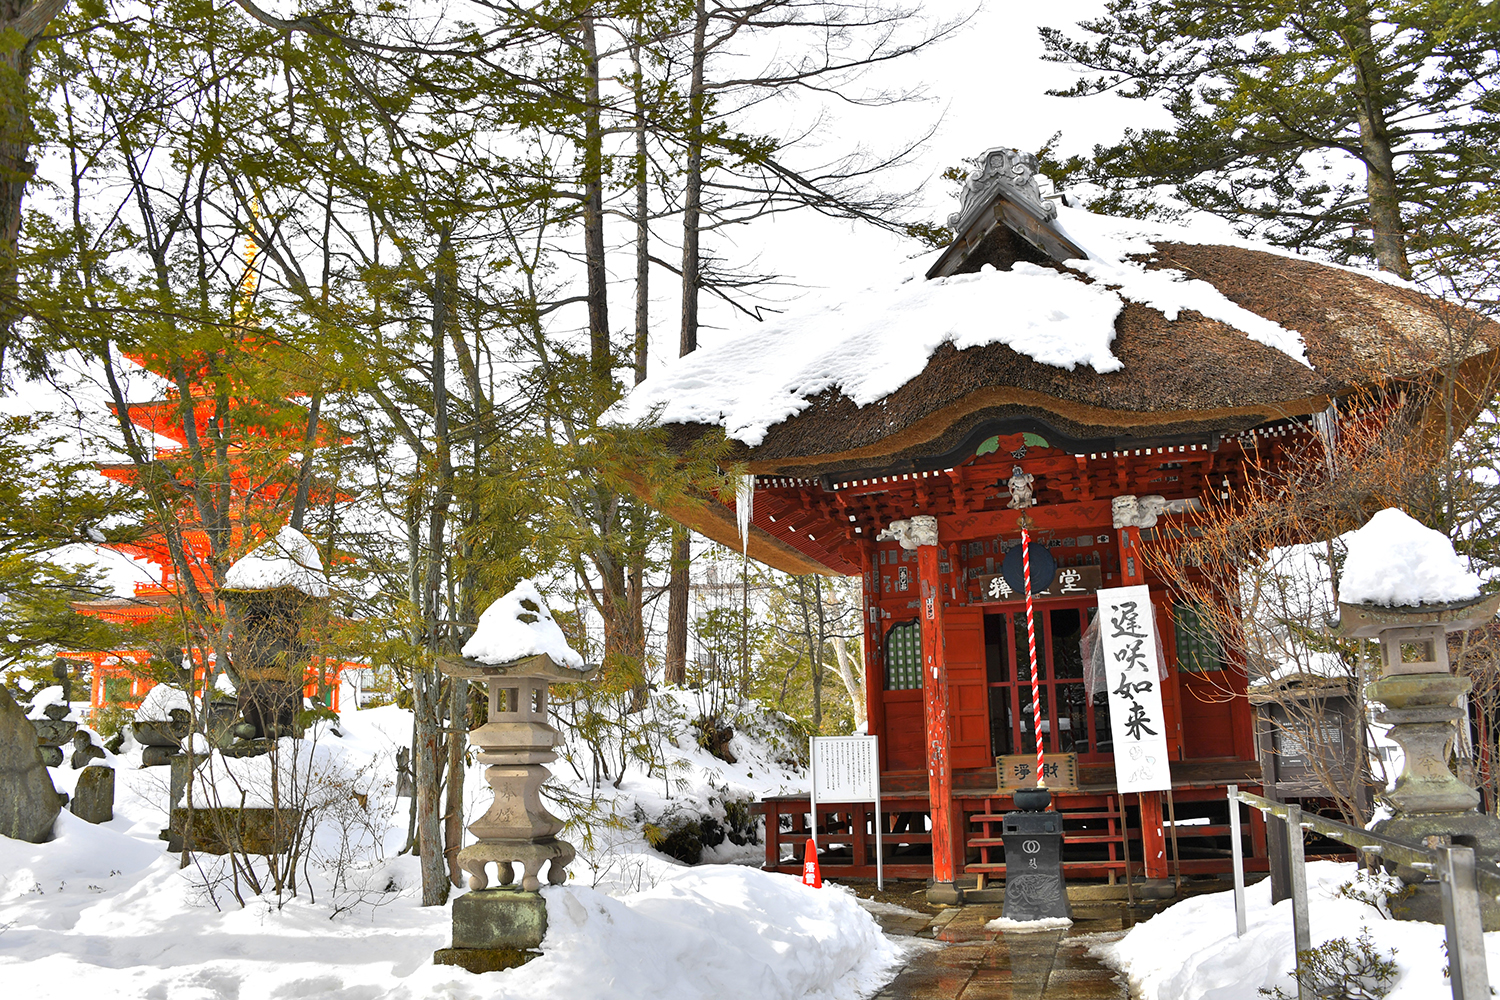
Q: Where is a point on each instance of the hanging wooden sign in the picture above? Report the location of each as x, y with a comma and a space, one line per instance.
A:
1018, 770
1068, 581
1127, 631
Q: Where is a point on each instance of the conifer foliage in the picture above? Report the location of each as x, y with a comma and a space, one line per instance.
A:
1365, 130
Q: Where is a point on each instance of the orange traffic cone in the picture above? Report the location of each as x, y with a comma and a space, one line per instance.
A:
810, 873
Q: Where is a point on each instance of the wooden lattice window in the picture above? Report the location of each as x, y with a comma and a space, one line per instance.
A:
1198, 649
903, 657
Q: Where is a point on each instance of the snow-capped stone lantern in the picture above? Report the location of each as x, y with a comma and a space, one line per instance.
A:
272, 596
517, 650
1403, 585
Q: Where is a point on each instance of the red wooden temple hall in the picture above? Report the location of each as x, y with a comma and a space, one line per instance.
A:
1124, 372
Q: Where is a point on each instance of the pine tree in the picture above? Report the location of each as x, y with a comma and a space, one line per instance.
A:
1363, 130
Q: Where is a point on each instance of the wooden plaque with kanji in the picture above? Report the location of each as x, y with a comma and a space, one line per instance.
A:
1014, 771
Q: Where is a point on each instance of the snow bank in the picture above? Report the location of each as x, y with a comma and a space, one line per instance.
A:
504, 633
105, 910
1190, 952
1395, 560
870, 343
288, 560
710, 932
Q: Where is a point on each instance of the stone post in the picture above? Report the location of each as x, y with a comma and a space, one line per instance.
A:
503, 927
1420, 699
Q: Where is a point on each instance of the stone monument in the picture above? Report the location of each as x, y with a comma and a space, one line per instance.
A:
1420, 698
1034, 884
517, 650
28, 801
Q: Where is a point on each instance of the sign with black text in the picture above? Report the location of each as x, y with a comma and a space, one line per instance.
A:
847, 769
1127, 631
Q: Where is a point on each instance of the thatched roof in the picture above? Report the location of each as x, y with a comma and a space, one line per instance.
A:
1182, 379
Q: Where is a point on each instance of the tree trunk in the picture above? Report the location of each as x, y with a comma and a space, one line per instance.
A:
682, 550
675, 667
429, 708
692, 195
642, 218
21, 23
600, 360
453, 809
1387, 228
304, 473
853, 682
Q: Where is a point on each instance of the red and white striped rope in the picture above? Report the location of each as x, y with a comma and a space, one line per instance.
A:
1036, 687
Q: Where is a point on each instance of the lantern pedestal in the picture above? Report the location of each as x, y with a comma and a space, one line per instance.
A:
495, 929
1421, 704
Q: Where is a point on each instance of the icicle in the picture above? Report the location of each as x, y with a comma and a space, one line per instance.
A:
744, 509
1327, 425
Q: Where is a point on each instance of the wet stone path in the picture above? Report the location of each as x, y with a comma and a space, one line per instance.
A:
977, 964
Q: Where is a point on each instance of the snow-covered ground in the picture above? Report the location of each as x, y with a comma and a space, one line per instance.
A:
105, 911
1190, 952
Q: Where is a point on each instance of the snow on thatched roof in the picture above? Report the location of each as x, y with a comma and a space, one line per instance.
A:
519, 625
1162, 331
1395, 560
288, 561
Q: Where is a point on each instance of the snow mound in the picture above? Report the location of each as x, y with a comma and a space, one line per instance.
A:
871, 343
519, 625
290, 560
713, 931
1395, 560
1190, 952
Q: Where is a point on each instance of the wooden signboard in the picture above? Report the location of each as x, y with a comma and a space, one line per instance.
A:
1068, 581
1014, 771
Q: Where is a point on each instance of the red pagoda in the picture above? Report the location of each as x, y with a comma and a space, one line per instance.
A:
258, 476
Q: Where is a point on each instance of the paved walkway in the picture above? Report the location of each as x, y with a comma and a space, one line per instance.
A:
984, 965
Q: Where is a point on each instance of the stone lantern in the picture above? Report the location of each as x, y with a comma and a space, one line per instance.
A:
517, 744
1420, 697
274, 597
515, 652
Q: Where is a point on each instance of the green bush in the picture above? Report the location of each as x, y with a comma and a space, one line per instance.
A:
1339, 969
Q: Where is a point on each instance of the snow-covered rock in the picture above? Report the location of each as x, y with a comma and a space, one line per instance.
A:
1395, 560
158, 703
290, 560
519, 625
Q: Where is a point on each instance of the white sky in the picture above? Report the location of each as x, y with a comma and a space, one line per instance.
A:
988, 86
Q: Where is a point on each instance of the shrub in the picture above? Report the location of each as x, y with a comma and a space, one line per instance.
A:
1339, 969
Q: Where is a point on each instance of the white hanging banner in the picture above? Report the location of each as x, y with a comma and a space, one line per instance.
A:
1127, 632
847, 769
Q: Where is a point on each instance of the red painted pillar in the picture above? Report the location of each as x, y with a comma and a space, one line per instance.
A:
1153, 839
935, 712
874, 654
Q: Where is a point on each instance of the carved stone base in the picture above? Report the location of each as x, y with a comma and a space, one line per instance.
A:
475, 859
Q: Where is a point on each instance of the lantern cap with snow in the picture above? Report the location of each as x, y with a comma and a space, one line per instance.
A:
517, 636
517, 650
1403, 583
289, 561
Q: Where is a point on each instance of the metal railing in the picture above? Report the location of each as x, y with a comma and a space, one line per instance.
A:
1460, 876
